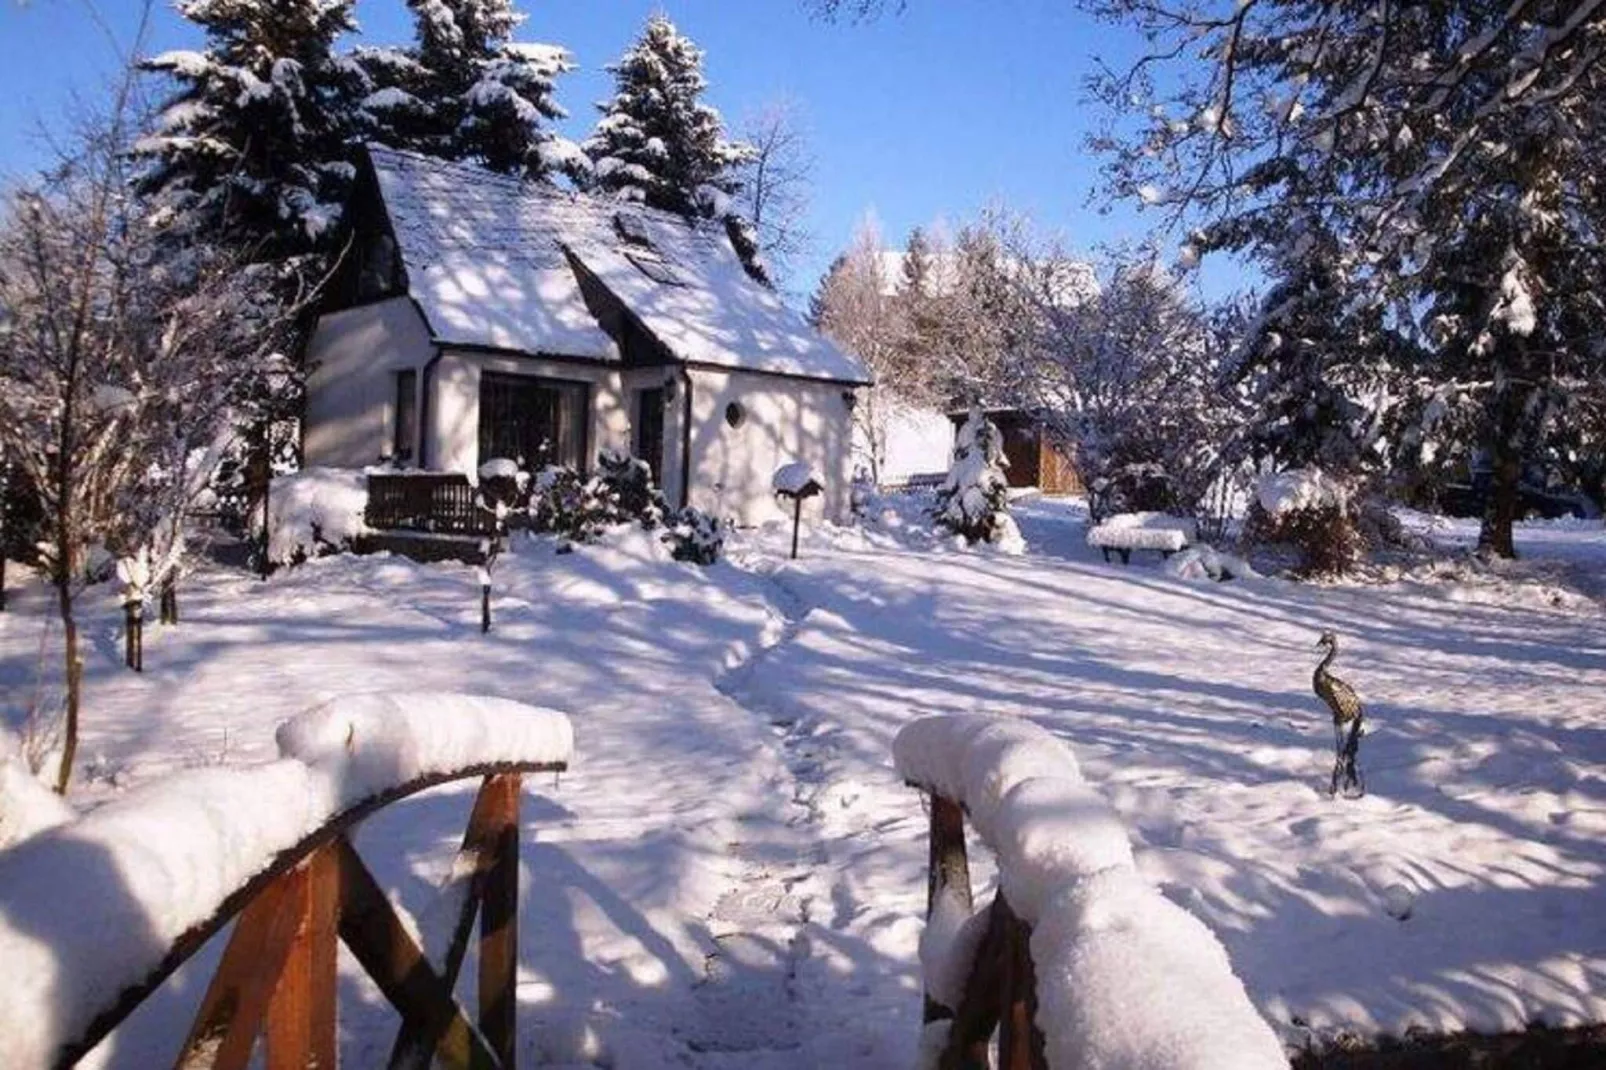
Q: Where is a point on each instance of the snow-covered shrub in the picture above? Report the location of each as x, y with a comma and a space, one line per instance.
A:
695, 536
1310, 512
974, 500
630, 491
565, 503
314, 512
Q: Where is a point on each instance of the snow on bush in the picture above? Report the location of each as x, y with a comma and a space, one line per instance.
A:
973, 501
1126, 978
315, 511
695, 536
1143, 531
90, 907
1302, 488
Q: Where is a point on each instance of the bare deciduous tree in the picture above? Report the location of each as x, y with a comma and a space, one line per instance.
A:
777, 180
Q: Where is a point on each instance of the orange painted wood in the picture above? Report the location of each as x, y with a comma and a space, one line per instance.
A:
499, 923
976, 1017
231, 1012
370, 928
301, 1031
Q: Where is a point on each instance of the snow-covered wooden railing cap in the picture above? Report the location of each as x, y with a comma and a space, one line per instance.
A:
1120, 975
97, 912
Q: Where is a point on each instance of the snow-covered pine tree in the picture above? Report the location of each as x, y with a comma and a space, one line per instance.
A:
467, 91
657, 143
252, 150
1451, 150
974, 500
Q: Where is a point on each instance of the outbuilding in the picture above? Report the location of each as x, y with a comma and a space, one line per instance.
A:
478, 317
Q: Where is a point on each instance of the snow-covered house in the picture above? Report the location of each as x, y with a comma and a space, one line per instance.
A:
479, 317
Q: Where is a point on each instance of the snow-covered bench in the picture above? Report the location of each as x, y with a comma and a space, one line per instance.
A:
1120, 975
1126, 532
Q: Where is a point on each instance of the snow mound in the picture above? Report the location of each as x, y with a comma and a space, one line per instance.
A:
1126, 978
1301, 488
1208, 563
27, 806
1142, 531
315, 510
90, 907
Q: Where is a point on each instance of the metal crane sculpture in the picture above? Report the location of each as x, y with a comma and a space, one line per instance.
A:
1348, 714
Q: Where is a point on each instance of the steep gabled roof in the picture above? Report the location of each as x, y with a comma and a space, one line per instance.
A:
488, 260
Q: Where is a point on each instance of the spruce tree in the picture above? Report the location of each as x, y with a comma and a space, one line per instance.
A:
657, 143
467, 91
252, 150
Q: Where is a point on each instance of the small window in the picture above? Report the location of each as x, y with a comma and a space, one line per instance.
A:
404, 435
735, 414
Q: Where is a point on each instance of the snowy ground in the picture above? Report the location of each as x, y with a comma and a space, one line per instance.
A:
732, 875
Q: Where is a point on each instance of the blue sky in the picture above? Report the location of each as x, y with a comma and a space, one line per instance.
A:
927, 115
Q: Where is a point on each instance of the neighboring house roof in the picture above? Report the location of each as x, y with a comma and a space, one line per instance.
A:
488, 261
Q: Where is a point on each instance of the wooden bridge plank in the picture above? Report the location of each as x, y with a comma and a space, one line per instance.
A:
230, 1016
499, 923
301, 1032
370, 928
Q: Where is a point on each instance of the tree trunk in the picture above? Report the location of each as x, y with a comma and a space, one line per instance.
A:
75, 667
1505, 477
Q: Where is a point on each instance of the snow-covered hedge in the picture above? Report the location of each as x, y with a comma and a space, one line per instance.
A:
1143, 531
1301, 488
1125, 977
315, 511
90, 907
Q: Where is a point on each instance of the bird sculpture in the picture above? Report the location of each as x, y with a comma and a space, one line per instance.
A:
1348, 716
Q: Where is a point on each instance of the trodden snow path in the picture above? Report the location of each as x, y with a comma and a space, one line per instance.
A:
732, 875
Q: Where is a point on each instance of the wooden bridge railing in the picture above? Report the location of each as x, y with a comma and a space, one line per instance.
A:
277, 980
1001, 989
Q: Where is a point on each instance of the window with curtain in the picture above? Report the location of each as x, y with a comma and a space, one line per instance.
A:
536, 422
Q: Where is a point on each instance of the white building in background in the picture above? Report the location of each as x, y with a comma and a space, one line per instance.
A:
479, 317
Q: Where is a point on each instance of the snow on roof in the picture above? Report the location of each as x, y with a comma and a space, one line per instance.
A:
488, 260
484, 257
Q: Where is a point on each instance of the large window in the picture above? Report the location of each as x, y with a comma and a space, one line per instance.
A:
404, 433
536, 422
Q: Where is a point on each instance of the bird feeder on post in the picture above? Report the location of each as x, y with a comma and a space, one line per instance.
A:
797, 482
135, 575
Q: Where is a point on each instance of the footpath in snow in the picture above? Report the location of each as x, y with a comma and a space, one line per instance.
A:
732, 874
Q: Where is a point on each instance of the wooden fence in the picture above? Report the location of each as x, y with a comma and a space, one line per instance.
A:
425, 501
1001, 990
276, 979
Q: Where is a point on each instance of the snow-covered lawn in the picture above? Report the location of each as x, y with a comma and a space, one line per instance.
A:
732, 875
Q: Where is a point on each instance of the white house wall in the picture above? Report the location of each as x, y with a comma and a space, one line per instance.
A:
785, 420
454, 405
354, 356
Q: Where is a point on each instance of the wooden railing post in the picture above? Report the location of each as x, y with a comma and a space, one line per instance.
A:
301, 1015
499, 924
947, 870
1020, 1042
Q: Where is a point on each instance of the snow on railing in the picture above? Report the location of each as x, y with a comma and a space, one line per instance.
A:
96, 912
1117, 974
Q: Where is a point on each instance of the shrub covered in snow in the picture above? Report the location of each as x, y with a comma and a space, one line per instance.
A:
695, 536
973, 501
315, 511
565, 503
1311, 513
